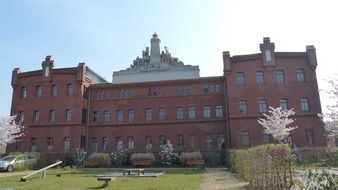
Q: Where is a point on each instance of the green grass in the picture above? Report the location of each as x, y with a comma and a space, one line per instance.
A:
85, 179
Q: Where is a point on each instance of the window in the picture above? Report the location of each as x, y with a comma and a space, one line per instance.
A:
310, 137
68, 115
220, 141
179, 113
149, 114
268, 55
206, 112
300, 76
240, 81
119, 115
184, 90
219, 111
192, 141
36, 116
131, 143
23, 92
148, 143
304, 103
262, 106
46, 71
54, 90
105, 143
38, 91
243, 107
126, 93
283, 103
119, 143
102, 94
280, 79
33, 144
180, 141
161, 114
206, 89
51, 116
66, 144
208, 140
49, 144
245, 140
163, 140
95, 116
192, 112
93, 144
106, 116
267, 138
155, 92
21, 116
70, 90
259, 77
131, 115
17, 144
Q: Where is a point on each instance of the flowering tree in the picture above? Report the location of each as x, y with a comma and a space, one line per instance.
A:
167, 154
277, 123
332, 114
9, 130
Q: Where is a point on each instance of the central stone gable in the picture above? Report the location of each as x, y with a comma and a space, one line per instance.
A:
155, 66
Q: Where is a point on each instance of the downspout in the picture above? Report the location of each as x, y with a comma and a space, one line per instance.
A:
226, 100
88, 119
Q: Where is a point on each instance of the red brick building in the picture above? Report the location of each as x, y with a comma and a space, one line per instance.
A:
74, 107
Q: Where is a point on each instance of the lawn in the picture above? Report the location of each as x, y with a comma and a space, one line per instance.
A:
85, 179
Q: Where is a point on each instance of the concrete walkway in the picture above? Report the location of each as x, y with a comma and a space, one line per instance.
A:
221, 179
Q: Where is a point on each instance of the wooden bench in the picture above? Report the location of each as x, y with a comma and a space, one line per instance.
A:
90, 164
106, 180
136, 171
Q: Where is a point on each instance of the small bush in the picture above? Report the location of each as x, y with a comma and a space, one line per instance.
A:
102, 159
319, 180
332, 158
119, 157
142, 156
190, 156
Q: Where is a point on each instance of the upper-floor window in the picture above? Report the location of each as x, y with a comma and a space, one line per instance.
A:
119, 116
245, 139
206, 112
219, 111
21, 116
106, 116
70, 90
23, 92
36, 116
304, 104
240, 80
68, 115
131, 115
102, 94
179, 113
95, 116
280, 78
260, 77
184, 90
243, 109
51, 116
192, 112
300, 76
149, 114
126, 93
310, 136
211, 88
263, 107
54, 90
155, 92
283, 103
161, 114
38, 91
180, 141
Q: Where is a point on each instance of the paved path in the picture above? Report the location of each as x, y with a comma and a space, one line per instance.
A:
221, 179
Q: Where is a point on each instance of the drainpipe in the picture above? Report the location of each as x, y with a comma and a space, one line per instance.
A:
88, 119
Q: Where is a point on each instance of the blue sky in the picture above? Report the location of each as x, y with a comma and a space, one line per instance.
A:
107, 35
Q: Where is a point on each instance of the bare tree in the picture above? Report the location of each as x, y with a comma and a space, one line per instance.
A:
332, 115
277, 123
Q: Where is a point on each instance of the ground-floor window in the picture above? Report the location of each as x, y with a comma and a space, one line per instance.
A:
310, 136
66, 144
33, 144
50, 144
131, 142
245, 139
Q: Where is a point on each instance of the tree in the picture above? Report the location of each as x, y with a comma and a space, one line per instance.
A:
277, 123
167, 154
332, 115
9, 130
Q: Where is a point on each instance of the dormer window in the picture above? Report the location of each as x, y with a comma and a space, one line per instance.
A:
268, 55
46, 71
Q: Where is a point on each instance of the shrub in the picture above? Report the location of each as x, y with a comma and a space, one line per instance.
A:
102, 159
142, 156
190, 156
332, 158
119, 157
265, 167
319, 180
167, 154
312, 154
